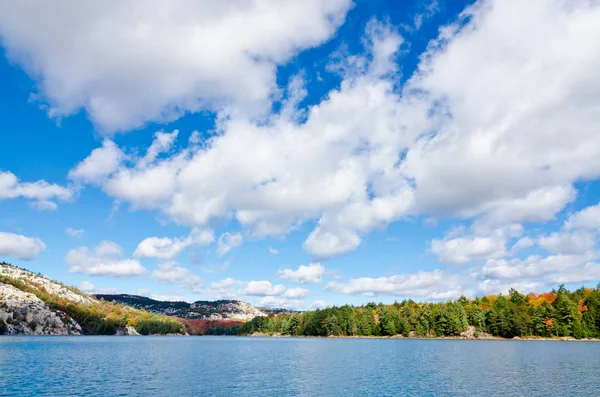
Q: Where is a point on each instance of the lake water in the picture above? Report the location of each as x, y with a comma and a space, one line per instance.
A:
236, 366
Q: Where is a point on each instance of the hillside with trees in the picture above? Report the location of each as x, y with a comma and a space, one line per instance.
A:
560, 313
33, 304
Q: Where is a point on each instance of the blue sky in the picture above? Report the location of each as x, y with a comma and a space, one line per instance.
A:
301, 154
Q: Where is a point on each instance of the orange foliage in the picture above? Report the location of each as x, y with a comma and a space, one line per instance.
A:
582, 308
549, 323
539, 299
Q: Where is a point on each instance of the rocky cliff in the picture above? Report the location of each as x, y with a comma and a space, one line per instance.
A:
31, 304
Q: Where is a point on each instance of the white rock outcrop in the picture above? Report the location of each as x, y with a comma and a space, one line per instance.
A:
51, 286
25, 314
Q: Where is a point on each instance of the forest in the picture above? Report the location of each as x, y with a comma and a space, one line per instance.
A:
560, 313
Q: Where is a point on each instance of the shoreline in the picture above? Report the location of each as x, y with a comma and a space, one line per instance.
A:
276, 336
487, 338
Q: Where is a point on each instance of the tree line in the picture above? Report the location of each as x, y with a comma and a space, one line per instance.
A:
560, 313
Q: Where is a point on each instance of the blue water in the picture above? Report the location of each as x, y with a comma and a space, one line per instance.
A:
234, 366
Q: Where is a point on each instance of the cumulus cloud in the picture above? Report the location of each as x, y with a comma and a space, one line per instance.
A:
230, 288
90, 288
488, 287
166, 248
224, 289
537, 267
366, 156
568, 242
42, 193
509, 145
476, 133
19, 246
338, 166
172, 273
273, 251
435, 284
99, 164
461, 249
296, 293
106, 259
290, 303
586, 219
262, 288
305, 274
156, 61
161, 248
75, 233
228, 241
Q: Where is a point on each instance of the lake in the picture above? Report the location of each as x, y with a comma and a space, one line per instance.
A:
238, 366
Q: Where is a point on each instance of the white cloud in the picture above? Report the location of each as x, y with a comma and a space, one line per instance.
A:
291, 303
41, 192
101, 163
431, 285
324, 244
588, 218
522, 243
171, 273
563, 242
19, 246
296, 293
366, 155
588, 272
488, 287
427, 12
279, 302
75, 233
224, 289
90, 288
130, 63
166, 248
477, 132
230, 288
273, 251
163, 141
161, 248
228, 241
507, 145
305, 274
262, 288
339, 166
466, 249
106, 260
537, 267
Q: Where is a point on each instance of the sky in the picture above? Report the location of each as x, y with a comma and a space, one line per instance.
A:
303, 153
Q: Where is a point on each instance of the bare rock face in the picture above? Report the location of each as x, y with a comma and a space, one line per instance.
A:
24, 313
127, 331
52, 287
472, 333
230, 310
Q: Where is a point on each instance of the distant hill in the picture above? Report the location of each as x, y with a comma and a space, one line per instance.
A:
201, 310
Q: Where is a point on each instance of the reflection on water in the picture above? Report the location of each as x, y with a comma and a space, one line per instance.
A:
233, 366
